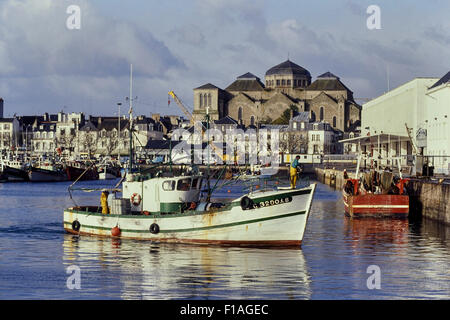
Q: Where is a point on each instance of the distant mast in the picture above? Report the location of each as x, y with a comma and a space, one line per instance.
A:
131, 118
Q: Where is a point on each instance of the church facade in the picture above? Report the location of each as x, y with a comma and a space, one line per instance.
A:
252, 102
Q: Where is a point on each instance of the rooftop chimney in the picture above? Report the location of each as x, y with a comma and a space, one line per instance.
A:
156, 117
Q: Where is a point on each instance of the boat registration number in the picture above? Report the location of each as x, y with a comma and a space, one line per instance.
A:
273, 202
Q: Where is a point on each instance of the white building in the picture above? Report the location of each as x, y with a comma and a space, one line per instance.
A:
9, 133
392, 120
66, 131
390, 112
437, 124
411, 122
322, 139
44, 139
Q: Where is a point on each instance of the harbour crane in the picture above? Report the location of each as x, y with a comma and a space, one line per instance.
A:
181, 105
408, 131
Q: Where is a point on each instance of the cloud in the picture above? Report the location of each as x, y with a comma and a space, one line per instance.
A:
35, 41
189, 34
45, 66
437, 34
355, 8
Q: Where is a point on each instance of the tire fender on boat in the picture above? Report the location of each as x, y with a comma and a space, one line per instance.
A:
154, 228
246, 203
76, 225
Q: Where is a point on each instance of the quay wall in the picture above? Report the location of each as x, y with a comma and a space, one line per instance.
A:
428, 198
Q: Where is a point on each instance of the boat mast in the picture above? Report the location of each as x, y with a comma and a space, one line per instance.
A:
118, 134
131, 119
207, 156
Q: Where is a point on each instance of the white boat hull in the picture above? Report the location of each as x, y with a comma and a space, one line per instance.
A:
106, 176
275, 218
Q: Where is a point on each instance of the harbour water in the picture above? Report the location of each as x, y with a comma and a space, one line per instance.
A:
413, 257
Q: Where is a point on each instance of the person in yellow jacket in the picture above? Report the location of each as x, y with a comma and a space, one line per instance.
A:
294, 167
104, 202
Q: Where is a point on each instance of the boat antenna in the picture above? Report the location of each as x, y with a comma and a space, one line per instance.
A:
207, 157
131, 119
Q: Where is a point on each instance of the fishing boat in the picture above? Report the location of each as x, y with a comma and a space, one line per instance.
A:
377, 193
174, 207
255, 172
14, 169
169, 209
37, 174
80, 171
108, 173
109, 169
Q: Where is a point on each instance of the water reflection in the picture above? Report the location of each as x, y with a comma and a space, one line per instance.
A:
372, 230
141, 270
413, 256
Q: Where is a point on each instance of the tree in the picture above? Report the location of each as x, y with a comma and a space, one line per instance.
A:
286, 115
89, 142
112, 142
294, 142
67, 141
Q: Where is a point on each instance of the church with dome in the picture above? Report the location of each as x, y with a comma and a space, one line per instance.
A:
286, 86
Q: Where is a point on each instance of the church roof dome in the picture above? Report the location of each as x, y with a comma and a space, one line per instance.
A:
288, 68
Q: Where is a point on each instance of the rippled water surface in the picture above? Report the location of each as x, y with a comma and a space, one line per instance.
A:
35, 253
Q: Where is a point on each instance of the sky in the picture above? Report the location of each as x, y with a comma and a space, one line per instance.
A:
182, 44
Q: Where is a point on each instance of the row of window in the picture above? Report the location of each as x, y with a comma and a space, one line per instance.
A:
287, 82
252, 118
45, 146
321, 116
205, 99
6, 135
44, 135
183, 184
6, 126
113, 134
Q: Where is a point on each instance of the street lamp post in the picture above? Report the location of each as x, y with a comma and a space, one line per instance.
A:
118, 133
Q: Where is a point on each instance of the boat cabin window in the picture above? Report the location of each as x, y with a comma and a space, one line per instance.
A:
184, 184
194, 183
168, 185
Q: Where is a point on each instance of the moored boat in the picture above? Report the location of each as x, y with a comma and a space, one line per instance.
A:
255, 172
80, 171
376, 194
46, 175
108, 173
15, 174
169, 209
14, 169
